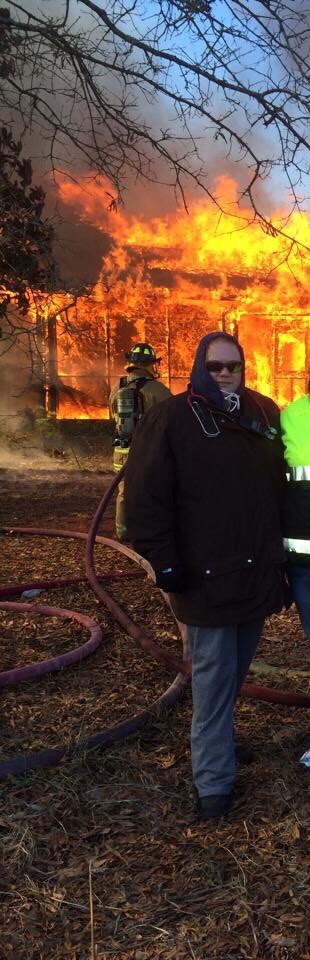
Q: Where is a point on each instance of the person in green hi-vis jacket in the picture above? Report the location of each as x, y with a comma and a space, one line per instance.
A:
295, 424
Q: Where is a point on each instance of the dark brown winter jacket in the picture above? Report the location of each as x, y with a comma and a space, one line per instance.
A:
212, 503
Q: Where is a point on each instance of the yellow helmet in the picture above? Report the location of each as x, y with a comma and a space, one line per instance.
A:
142, 354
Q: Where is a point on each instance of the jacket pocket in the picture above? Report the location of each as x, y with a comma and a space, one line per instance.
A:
230, 579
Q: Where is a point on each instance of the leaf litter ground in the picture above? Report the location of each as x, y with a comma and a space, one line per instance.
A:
121, 824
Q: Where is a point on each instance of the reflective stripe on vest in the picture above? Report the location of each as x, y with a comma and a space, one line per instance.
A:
119, 458
299, 473
292, 545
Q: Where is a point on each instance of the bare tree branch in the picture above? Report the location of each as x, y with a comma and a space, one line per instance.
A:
92, 82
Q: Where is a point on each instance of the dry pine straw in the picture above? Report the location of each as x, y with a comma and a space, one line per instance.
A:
163, 885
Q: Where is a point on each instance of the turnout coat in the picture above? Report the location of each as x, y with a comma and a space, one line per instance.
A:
212, 503
152, 391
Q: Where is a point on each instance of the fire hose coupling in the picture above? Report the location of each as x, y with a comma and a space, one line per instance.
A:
171, 579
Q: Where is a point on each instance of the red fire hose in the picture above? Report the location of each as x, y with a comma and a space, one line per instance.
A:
253, 691
34, 670
46, 757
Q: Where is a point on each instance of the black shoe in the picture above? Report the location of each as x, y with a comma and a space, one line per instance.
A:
215, 805
244, 755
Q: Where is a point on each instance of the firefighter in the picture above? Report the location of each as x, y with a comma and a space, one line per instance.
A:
295, 423
135, 393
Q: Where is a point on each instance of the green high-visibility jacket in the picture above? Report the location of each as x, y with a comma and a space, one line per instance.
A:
295, 424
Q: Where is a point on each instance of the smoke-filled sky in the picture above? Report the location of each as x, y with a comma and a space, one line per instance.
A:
81, 245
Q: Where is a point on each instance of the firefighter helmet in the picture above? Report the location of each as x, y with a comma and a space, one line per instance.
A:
142, 354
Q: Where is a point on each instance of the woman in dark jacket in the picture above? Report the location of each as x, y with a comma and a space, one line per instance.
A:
203, 492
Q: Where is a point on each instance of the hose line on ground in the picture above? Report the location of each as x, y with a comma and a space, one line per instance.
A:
48, 757
34, 670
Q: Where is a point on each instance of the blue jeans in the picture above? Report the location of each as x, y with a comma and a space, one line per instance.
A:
221, 657
299, 578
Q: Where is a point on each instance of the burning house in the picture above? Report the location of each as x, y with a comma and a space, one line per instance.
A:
170, 280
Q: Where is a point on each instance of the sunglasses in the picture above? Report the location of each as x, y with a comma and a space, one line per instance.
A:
215, 366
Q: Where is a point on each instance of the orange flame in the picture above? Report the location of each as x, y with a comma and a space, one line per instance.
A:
170, 280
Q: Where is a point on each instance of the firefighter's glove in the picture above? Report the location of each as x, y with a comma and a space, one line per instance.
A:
171, 579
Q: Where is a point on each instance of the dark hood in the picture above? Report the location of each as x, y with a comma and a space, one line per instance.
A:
201, 381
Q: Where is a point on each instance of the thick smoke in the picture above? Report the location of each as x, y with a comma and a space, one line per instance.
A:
80, 246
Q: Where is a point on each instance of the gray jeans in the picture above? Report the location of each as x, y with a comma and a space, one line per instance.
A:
221, 657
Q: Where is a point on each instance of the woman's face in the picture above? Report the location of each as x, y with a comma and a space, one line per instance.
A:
224, 363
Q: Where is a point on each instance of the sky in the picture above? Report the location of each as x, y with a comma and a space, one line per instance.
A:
148, 199
215, 153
